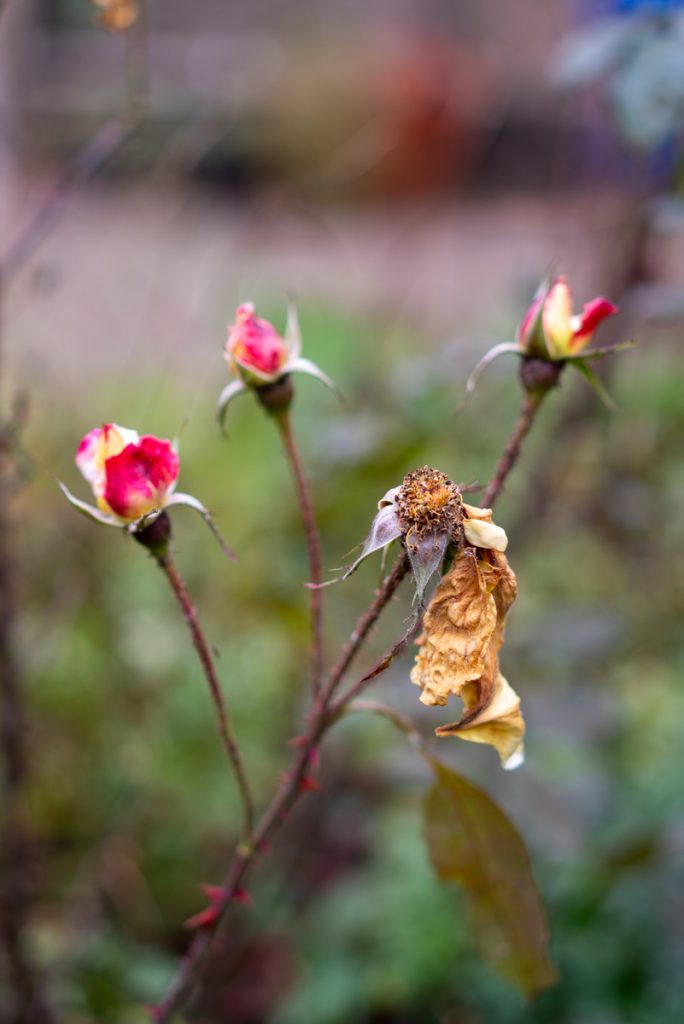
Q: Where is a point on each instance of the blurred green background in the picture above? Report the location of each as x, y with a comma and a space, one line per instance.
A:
404, 280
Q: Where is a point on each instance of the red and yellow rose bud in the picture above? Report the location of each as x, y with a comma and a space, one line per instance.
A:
550, 330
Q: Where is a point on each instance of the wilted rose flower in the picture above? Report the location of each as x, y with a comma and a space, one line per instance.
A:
463, 633
549, 329
259, 357
427, 513
550, 332
133, 478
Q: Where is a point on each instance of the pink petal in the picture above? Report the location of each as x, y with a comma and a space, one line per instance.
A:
138, 478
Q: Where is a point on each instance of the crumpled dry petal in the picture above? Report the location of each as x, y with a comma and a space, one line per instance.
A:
481, 531
459, 653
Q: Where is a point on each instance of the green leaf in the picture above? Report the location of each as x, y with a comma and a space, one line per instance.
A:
472, 842
596, 383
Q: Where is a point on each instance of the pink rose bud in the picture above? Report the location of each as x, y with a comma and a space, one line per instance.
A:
261, 360
549, 329
133, 479
254, 349
131, 476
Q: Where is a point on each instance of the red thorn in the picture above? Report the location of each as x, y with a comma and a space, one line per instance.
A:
214, 893
242, 896
310, 784
297, 741
205, 919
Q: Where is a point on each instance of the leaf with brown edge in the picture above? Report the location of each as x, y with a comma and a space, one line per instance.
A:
472, 842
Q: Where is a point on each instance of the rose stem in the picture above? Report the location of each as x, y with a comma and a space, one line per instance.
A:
168, 567
318, 722
528, 411
313, 543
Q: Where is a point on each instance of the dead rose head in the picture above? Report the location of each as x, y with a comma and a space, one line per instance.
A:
427, 513
259, 357
550, 332
132, 478
463, 629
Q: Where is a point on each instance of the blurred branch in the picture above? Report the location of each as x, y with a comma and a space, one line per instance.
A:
27, 1003
30, 1005
94, 154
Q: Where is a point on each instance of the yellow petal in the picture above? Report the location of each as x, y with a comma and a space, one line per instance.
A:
556, 319
500, 723
485, 535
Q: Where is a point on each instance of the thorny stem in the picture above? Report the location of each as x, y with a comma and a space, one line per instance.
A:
324, 713
200, 644
292, 787
313, 543
528, 411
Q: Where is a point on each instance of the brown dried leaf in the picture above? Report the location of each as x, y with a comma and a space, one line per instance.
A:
458, 628
473, 843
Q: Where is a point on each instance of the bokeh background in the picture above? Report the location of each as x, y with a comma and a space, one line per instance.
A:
410, 170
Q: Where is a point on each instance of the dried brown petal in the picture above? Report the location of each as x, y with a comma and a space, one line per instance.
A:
464, 631
458, 628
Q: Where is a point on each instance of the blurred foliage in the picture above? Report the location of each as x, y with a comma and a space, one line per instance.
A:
130, 800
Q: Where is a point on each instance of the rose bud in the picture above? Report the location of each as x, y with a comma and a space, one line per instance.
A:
550, 334
549, 329
133, 479
260, 358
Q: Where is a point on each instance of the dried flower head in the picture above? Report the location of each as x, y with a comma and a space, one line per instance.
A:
459, 652
427, 513
260, 358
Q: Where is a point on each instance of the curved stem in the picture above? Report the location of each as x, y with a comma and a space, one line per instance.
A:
291, 788
201, 646
313, 544
529, 409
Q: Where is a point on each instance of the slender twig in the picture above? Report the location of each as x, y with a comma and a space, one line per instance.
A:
528, 411
399, 721
291, 788
367, 620
313, 544
359, 686
200, 644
